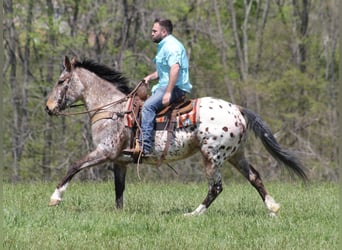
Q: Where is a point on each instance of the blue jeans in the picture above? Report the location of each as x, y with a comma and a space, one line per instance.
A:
149, 111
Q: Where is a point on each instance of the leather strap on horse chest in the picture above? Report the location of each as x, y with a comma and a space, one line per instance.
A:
103, 115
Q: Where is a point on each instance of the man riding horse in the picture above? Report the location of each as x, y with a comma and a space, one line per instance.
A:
173, 74
218, 130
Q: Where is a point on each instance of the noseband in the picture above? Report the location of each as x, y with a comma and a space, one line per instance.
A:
62, 100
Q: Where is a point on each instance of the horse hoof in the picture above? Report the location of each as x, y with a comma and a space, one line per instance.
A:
275, 208
198, 211
273, 215
54, 202
271, 205
189, 214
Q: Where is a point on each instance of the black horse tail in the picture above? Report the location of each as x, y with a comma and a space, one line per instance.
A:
263, 132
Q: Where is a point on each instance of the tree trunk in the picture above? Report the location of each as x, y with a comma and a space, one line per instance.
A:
124, 34
46, 159
239, 51
300, 27
259, 38
223, 53
247, 7
73, 21
26, 72
12, 47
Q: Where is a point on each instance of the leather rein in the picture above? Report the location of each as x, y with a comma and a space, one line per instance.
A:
99, 112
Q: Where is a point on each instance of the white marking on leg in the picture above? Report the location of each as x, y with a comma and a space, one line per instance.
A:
58, 194
271, 205
198, 211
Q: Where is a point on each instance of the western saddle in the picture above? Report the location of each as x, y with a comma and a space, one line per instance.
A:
164, 120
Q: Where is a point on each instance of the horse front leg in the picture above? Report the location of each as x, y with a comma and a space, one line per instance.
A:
214, 178
119, 182
93, 158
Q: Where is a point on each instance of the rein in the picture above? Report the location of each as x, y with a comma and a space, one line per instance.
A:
76, 105
131, 94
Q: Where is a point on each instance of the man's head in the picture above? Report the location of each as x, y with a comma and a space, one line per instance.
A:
161, 28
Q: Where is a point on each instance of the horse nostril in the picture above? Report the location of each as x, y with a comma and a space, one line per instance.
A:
48, 110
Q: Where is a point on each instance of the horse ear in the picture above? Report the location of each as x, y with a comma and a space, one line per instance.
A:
74, 60
67, 64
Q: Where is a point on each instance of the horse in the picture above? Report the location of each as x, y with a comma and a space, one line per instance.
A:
219, 133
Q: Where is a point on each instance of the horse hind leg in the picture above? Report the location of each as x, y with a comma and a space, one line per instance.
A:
253, 176
215, 187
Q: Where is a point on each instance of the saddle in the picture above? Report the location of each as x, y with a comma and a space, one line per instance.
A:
180, 114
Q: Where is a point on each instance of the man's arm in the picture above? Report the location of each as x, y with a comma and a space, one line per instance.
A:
151, 77
173, 77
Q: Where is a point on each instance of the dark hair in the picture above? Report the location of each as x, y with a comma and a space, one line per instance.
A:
165, 23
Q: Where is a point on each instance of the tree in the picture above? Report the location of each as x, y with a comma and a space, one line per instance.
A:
300, 27
11, 41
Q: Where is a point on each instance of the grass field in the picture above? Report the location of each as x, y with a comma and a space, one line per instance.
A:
153, 217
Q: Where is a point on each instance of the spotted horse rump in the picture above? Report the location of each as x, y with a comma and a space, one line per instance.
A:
215, 128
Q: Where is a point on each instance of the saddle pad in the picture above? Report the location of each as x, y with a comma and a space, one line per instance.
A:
181, 121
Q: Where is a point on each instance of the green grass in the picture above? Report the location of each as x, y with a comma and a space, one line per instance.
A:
153, 217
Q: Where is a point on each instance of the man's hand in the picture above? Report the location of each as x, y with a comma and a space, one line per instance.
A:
151, 77
166, 99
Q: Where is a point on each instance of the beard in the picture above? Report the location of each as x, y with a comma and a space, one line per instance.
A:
157, 39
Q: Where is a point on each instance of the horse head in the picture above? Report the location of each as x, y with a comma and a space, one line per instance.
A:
67, 90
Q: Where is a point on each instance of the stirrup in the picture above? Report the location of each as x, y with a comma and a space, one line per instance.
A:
131, 151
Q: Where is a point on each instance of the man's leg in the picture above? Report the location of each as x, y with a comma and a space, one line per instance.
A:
148, 115
149, 111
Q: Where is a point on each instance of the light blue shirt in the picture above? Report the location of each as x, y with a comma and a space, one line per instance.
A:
171, 51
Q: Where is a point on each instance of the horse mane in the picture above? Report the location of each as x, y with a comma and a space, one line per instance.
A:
106, 73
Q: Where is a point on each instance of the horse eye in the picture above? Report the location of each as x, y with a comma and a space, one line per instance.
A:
60, 81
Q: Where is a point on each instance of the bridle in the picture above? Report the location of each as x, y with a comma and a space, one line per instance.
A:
97, 109
61, 101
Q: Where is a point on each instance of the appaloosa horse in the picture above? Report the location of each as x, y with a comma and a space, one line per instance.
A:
219, 132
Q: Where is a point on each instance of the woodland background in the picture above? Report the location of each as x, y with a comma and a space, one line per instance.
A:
276, 57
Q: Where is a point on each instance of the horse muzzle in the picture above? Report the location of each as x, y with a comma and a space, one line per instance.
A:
51, 108
49, 111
